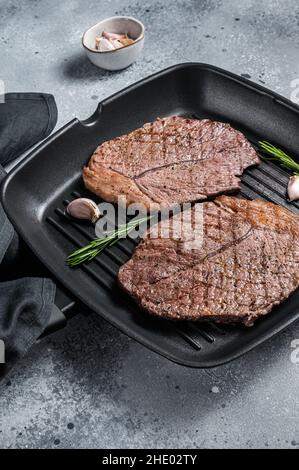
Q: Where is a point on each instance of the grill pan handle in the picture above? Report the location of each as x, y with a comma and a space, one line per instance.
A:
56, 322
63, 309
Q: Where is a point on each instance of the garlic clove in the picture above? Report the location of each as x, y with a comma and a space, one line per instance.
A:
293, 188
105, 45
98, 40
107, 35
126, 41
117, 44
83, 208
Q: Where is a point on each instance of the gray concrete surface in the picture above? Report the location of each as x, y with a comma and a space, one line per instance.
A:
89, 385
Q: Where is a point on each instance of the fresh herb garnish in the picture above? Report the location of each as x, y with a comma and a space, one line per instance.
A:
285, 160
96, 246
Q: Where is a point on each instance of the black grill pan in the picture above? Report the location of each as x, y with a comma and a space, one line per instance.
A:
35, 193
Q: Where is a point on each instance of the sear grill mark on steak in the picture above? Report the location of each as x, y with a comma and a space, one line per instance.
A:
247, 264
170, 161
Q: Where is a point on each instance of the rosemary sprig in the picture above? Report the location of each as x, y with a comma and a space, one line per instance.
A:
96, 246
285, 160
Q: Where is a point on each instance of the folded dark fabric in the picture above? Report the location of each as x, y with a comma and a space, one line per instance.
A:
25, 303
25, 119
25, 308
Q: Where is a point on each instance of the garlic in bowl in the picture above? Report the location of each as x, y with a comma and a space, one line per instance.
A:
114, 43
110, 41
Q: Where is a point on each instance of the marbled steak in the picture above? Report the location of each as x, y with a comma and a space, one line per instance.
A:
169, 161
247, 264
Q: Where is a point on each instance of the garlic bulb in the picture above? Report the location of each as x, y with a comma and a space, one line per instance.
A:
83, 208
293, 188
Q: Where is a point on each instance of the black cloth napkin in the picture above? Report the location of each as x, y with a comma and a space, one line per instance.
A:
25, 303
25, 119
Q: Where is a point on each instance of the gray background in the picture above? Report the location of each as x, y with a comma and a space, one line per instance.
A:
89, 385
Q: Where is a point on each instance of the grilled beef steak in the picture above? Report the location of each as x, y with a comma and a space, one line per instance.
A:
247, 264
169, 161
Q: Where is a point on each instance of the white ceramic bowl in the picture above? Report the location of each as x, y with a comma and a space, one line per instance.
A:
119, 58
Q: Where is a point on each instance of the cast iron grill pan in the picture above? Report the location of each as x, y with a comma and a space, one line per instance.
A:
36, 192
